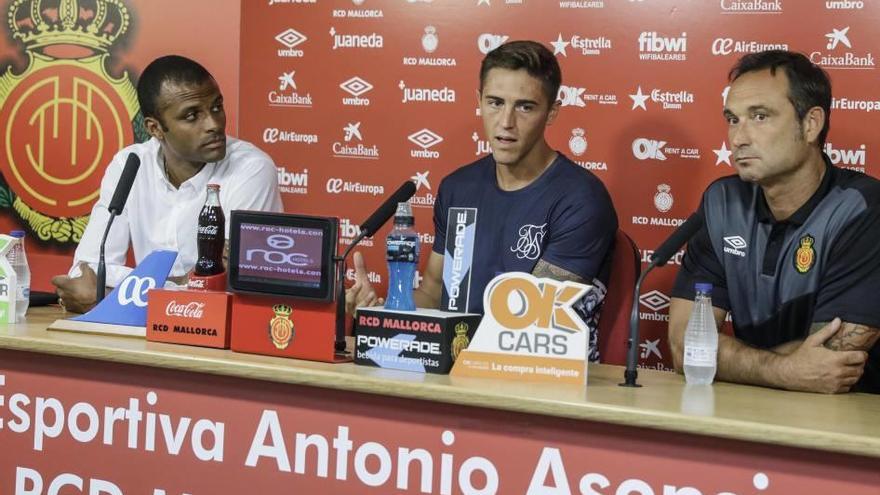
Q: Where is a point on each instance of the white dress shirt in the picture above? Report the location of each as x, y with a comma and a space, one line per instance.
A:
159, 216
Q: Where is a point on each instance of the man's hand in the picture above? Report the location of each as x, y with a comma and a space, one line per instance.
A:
361, 293
77, 294
812, 367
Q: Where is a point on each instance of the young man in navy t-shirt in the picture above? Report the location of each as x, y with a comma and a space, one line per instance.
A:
538, 212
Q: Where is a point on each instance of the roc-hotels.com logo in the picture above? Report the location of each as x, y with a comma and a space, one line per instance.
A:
290, 38
655, 47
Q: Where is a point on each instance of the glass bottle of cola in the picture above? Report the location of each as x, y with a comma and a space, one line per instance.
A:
211, 234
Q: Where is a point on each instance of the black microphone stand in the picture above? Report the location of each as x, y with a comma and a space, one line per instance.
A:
102, 265
340, 291
631, 374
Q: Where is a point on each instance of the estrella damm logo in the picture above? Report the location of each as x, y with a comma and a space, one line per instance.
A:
518, 301
280, 327
64, 117
805, 256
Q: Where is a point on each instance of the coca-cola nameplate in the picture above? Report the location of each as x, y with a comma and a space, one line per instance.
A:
188, 317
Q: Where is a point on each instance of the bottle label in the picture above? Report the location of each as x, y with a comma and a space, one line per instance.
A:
402, 250
700, 356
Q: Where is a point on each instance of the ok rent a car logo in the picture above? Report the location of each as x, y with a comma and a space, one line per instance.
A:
530, 331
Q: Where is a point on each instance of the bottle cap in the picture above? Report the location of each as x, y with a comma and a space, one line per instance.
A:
213, 186
404, 210
703, 287
18, 234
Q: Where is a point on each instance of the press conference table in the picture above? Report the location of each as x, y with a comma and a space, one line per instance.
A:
732, 438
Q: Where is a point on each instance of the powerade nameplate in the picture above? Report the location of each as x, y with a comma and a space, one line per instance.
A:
426, 341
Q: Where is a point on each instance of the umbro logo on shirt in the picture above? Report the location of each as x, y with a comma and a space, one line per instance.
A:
735, 245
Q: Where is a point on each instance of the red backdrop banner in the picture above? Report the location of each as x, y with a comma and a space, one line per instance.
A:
353, 97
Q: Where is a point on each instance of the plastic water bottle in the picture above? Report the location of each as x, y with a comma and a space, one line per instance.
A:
701, 340
403, 257
18, 259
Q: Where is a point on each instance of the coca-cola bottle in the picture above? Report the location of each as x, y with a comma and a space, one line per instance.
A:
211, 235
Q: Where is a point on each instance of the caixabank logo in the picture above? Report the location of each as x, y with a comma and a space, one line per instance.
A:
65, 116
840, 52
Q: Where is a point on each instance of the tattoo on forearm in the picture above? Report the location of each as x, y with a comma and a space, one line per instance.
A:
544, 269
853, 337
850, 336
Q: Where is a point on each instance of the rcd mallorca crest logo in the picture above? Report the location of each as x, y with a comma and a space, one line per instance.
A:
65, 115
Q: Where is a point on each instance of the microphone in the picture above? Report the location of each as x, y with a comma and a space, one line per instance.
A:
660, 257
384, 212
367, 229
117, 203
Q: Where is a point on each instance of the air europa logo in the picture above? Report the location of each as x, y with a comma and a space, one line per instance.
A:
520, 301
133, 290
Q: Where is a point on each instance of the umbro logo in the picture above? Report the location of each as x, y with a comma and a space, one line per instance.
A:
654, 300
735, 245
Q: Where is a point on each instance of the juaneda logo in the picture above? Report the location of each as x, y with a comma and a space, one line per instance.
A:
835, 57
286, 95
290, 38
487, 42
343, 41
426, 95
654, 47
430, 42
483, 146
356, 87
192, 309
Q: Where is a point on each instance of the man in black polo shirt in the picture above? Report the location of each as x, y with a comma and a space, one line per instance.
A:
790, 245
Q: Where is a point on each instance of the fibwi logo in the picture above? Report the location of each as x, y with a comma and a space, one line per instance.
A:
290, 38
287, 95
836, 56
293, 182
348, 232
356, 87
64, 117
853, 159
655, 47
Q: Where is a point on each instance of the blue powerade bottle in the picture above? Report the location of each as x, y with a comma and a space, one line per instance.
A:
403, 257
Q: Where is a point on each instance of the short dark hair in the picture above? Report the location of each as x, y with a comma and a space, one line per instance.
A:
808, 85
532, 56
170, 68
